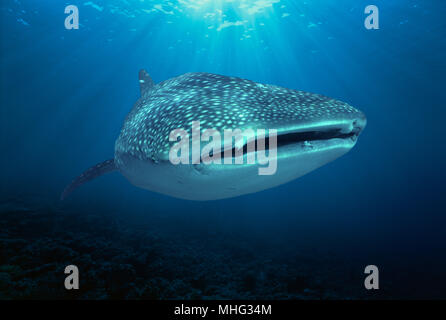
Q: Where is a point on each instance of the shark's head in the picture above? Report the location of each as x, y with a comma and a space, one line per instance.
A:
312, 130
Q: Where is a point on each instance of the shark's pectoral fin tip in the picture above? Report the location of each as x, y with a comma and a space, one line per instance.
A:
88, 175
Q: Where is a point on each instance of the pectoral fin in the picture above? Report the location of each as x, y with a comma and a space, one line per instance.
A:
88, 175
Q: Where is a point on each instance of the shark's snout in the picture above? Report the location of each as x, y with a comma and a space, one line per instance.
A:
360, 122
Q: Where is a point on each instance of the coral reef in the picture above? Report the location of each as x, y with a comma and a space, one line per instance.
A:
118, 259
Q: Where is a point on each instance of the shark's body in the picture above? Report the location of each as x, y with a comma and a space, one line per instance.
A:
312, 130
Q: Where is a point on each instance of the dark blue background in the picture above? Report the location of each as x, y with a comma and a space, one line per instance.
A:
64, 95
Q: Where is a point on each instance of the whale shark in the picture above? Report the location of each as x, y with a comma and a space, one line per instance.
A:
312, 130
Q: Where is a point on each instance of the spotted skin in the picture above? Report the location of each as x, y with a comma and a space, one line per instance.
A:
218, 102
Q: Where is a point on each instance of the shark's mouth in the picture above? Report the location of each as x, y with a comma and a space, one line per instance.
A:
304, 138
308, 136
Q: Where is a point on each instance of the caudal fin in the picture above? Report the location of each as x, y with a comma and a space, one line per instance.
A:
90, 174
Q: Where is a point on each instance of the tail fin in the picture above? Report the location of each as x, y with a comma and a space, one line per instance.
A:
90, 174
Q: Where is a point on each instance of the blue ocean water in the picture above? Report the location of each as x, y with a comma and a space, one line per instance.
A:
65, 93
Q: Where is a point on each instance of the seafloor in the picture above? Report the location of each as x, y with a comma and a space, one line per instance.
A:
118, 259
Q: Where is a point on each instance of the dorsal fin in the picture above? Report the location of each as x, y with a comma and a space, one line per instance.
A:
145, 82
